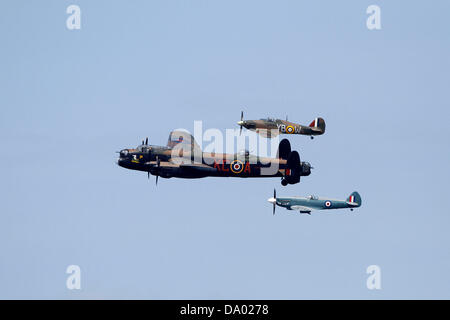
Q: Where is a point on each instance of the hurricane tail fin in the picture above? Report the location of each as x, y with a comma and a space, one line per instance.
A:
318, 123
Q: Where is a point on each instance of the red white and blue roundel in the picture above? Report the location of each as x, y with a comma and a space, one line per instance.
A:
236, 166
328, 204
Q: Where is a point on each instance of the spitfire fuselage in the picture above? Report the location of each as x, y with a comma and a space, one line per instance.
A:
316, 204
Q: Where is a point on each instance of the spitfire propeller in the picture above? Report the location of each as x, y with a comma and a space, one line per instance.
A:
273, 200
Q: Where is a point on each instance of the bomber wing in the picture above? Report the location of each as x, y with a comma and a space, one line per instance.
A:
198, 167
183, 140
165, 164
189, 167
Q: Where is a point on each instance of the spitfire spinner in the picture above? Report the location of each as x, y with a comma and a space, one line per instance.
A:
272, 127
178, 159
306, 205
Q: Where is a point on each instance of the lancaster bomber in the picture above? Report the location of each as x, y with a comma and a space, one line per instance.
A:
271, 127
183, 158
306, 205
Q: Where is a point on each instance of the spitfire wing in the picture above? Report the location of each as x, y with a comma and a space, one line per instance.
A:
302, 208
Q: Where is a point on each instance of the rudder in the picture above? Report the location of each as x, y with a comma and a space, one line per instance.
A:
284, 149
293, 171
318, 123
355, 198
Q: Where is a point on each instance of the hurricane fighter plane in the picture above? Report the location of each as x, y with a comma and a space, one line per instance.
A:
306, 205
178, 159
271, 127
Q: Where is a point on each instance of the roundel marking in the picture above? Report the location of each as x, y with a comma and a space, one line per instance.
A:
236, 166
290, 129
327, 204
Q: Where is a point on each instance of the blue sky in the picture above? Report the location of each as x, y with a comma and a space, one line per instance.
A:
70, 99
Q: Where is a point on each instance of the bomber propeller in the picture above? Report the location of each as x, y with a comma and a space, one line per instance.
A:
157, 166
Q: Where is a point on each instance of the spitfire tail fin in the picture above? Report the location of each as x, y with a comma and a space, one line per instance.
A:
355, 198
318, 123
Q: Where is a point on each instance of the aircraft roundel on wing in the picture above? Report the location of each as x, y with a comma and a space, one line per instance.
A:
271, 127
308, 204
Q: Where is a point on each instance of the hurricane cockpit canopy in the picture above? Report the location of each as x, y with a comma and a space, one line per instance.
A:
269, 119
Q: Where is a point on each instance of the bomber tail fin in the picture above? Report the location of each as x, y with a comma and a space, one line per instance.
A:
318, 124
354, 199
294, 169
284, 149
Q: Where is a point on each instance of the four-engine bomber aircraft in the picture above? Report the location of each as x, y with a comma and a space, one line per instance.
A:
306, 205
178, 159
272, 127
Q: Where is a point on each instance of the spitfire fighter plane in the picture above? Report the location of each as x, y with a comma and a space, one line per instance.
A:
306, 205
183, 158
270, 127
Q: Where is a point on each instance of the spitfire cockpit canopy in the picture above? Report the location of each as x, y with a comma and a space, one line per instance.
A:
313, 197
